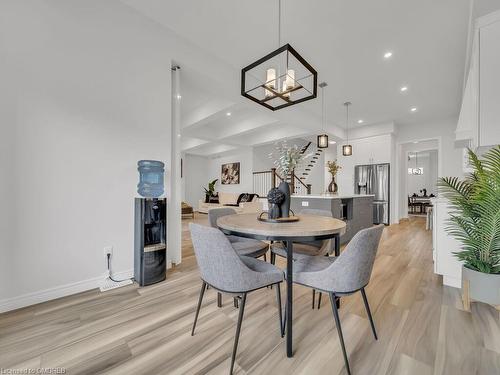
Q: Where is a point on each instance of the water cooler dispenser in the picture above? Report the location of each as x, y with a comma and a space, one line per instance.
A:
150, 235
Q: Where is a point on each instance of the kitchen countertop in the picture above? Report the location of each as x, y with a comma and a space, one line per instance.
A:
320, 196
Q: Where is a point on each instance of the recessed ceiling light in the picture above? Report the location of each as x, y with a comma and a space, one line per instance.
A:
332, 142
404, 88
228, 113
387, 55
179, 96
413, 109
360, 121
415, 141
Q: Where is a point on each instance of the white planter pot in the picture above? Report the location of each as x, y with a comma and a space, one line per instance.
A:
481, 287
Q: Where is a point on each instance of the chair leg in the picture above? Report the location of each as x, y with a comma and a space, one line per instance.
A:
273, 258
238, 329
200, 299
314, 298
319, 300
367, 307
219, 299
235, 302
265, 257
339, 330
280, 314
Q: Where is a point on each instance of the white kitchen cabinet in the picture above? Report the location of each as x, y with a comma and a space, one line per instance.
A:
489, 84
370, 150
443, 246
479, 119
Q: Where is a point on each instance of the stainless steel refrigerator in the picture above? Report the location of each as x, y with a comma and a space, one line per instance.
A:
375, 179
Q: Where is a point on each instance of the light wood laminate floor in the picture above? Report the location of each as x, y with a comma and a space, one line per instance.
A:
421, 325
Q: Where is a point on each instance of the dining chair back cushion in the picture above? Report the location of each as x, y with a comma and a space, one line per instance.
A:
215, 213
352, 269
220, 265
325, 245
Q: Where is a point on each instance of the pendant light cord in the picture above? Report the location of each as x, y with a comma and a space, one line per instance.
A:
279, 23
323, 108
347, 121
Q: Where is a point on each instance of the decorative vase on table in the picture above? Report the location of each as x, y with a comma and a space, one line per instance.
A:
274, 211
274, 198
332, 187
285, 205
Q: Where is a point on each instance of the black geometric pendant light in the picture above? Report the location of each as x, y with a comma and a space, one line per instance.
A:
280, 79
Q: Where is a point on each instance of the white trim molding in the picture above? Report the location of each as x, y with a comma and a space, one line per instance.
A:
29, 299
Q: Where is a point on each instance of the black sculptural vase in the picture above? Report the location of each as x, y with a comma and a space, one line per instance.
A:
274, 211
285, 206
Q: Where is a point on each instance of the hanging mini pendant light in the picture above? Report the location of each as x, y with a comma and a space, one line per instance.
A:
416, 170
323, 138
347, 148
280, 79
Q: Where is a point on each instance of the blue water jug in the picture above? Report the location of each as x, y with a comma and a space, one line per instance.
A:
150, 178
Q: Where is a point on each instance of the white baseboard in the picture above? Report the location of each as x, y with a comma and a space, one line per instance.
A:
455, 282
33, 298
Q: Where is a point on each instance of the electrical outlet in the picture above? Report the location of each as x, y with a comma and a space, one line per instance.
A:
305, 204
108, 250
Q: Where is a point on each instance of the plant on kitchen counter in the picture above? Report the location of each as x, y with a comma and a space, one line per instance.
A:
333, 168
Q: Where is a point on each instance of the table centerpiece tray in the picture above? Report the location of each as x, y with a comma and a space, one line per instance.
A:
264, 217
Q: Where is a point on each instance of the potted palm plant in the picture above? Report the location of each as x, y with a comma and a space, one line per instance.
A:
475, 223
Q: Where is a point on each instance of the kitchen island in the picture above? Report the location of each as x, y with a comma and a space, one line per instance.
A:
355, 209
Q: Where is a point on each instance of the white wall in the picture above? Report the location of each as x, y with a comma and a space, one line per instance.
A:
7, 193
196, 177
91, 88
244, 156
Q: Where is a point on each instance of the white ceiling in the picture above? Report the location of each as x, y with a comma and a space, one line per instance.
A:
345, 42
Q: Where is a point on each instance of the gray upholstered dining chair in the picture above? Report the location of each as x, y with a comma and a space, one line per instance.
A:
225, 271
301, 249
343, 275
243, 246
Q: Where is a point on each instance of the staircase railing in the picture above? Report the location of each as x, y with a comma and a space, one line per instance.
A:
264, 181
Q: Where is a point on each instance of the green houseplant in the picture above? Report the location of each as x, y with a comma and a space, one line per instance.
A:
210, 190
286, 159
475, 223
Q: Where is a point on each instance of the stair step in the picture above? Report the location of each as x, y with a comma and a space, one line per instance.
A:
317, 153
302, 178
308, 169
319, 150
305, 174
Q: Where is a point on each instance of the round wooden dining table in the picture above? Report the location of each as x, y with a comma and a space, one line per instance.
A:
307, 228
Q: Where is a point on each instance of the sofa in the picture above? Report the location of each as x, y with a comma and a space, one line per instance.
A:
242, 203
